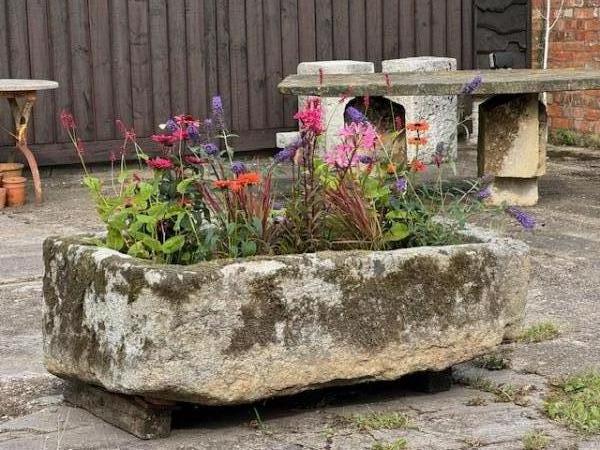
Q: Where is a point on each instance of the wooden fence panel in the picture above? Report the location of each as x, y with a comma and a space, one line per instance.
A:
143, 60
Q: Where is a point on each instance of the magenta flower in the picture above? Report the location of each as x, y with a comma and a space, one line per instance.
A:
164, 139
311, 116
159, 163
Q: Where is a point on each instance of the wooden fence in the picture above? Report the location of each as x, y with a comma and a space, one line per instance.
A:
141, 60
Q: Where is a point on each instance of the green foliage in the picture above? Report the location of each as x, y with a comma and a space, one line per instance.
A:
575, 402
398, 444
504, 393
381, 420
492, 362
571, 138
543, 331
535, 440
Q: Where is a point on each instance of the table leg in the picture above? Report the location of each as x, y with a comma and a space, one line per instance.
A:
21, 115
512, 147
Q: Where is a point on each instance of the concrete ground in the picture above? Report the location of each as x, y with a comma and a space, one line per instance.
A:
565, 289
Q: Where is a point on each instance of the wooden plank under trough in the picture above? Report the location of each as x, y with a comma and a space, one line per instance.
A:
494, 82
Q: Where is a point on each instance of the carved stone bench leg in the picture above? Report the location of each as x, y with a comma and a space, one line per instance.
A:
132, 414
512, 147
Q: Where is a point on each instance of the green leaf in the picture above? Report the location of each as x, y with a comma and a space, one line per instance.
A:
92, 183
184, 184
248, 248
145, 219
396, 214
114, 239
152, 244
137, 250
173, 244
398, 232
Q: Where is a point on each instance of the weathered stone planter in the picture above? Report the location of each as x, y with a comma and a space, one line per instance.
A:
228, 332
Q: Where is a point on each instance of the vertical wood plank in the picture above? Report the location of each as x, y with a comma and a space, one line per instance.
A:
5, 119
83, 102
210, 39
290, 54
159, 51
454, 31
39, 55
407, 22
423, 27
256, 68
439, 18
341, 29
121, 64
177, 56
391, 47
141, 83
18, 42
358, 31
307, 36
324, 30
196, 57
273, 61
374, 19
467, 35
224, 68
101, 69
239, 66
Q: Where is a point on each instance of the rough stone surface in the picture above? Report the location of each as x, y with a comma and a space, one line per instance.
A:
228, 332
440, 112
514, 191
333, 107
287, 138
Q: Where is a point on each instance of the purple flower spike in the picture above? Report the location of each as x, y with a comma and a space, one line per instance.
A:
238, 168
472, 85
527, 222
193, 132
211, 149
217, 111
354, 115
484, 193
401, 185
366, 159
171, 125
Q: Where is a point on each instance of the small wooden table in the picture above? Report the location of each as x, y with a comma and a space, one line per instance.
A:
513, 123
21, 96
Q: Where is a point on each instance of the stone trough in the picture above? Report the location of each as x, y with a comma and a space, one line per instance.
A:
236, 331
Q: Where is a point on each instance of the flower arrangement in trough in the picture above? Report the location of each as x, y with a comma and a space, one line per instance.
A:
192, 200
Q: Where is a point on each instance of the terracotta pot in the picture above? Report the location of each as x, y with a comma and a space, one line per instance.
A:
16, 194
10, 170
2, 197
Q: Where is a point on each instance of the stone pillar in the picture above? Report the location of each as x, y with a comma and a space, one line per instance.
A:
441, 112
512, 147
334, 107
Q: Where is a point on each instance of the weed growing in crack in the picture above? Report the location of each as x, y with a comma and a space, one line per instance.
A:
399, 444
543, 331
492, 361
535, 440
381, 420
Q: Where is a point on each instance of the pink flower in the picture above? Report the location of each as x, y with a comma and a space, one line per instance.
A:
363, 134
164, 139
357, 146
311, 116
79, 147
159, 163
342, 157
66, 119
193, 159
180, 135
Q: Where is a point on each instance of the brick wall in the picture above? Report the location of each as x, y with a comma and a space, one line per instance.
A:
574, 42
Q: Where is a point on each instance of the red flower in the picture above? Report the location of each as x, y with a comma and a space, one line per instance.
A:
79, 147
221, 184
159, 163
417, 166
128, 134
164, 139
399, 123
248, 178
194, 160
417, 140
66, 119
180, 135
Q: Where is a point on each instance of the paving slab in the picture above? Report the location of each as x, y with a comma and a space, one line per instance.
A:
565, 289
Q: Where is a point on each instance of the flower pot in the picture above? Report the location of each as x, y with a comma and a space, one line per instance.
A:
236, 331
16, 193
11, 170
2, 198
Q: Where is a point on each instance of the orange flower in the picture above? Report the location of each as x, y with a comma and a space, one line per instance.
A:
417, 140
417, 166
221, 184
391, 168
248, 178
420, 126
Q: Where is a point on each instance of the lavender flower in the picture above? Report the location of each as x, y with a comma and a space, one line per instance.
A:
365, 159
171, 125
472, 85
355, 115
193, 132
401, 185
287, 154
207, 126
211, 149
484, 193
217, 111
527, 222
238, 167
